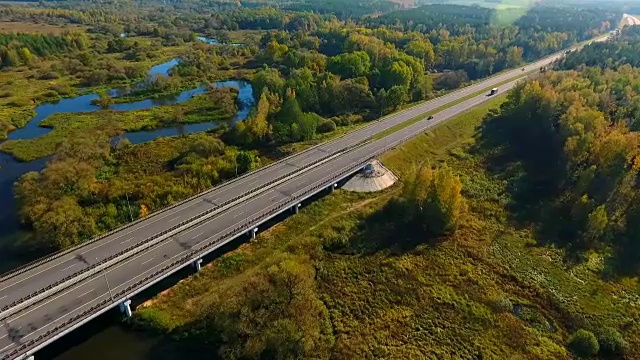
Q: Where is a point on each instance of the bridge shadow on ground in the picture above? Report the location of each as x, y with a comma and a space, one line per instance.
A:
82, 343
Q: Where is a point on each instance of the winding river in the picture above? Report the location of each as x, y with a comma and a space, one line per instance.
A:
104, 338
11, 170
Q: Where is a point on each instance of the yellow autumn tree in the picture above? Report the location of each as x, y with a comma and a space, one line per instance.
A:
436, 199
144, 210
444, 203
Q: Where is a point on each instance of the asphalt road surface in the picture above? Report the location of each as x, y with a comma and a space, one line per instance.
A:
53, 311
17, 287
47, 314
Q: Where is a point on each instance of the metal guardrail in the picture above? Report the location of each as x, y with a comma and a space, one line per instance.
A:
204, 249
150, 241
26, 267
228, 236
185, 260
158, 235
82, 274
23, 268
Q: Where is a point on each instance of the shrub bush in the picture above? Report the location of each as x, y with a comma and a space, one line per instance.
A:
21, 102
326, 126
611, 342
49, 75
584, 344
501, 305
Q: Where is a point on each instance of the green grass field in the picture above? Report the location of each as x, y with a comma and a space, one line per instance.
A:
489, 290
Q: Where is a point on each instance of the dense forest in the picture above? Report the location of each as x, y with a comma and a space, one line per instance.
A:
513, 232
311, 74
608, 55
467, 38
23, 49
525, 244
580, 127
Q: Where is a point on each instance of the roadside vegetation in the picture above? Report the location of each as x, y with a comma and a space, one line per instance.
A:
392, 285
511, 233
314, 77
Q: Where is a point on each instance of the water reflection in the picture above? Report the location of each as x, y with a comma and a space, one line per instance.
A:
11, 170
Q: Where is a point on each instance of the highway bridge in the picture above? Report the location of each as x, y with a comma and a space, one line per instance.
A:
49, 298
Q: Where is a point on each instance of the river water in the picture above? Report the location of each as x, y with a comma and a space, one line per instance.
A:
104, 338
11, 170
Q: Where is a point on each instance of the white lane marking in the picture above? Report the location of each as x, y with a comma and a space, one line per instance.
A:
33, 332
197, 235
85, 293
148, 261
122, 285
145, 225
125, 240
183, 207
21, 314
3, 297
119, 286
68, 267
238, 214
151, 221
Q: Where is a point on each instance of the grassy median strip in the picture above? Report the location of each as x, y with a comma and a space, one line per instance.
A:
423, 116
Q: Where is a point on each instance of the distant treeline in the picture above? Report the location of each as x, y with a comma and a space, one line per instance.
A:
18, 49
610, 54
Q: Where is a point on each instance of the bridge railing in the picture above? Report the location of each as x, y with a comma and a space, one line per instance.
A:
190, 257
28, 266
23, 348
203, 250
80, 275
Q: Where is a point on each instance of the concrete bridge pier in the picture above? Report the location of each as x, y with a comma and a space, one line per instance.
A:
296, 208
252, 233
125, 307
333, 187
197, 264
29, 358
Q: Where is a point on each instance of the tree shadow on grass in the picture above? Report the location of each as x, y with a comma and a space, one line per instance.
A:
533, 172
391, 229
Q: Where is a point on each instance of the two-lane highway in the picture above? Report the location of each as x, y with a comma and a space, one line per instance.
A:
50, 313
54, 311
17, 287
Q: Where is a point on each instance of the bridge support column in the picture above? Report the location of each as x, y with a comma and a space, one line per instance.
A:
125, 307
29, 358
296, 208
197, 264
333, 187
252, 233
